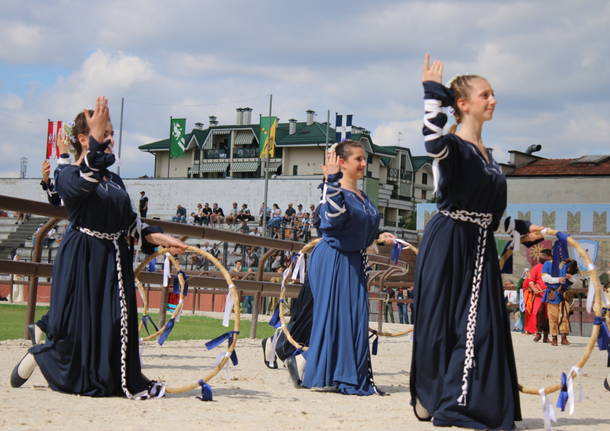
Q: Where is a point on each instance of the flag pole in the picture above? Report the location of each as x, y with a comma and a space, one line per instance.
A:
118, 169
266, 166
169, 147
327, 126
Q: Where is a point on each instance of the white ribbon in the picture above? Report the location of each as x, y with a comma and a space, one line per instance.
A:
228, 307
591, 289
570, 382
548, 411
166, 270
299, 269
270, 353
544, 231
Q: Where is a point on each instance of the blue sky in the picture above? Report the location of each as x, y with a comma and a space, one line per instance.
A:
548, 62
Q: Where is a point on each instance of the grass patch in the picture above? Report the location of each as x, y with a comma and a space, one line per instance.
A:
12, 318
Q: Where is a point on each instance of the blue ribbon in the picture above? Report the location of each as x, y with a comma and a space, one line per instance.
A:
275, 318
152, 266
562, 400
206, 391
603, 339
375, 347
185, 291
560, 252
145, 319
395, 252
507, 268
220, 339
168, 328
297, 352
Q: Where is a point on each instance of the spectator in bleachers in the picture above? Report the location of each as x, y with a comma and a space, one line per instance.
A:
276, 217
290, 214
300, 212
233, 214
244, 213
192, 219
262, 213
143, 204
205, 214
217, 216
180, 216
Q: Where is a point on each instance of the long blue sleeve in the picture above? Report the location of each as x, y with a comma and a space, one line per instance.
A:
333, 212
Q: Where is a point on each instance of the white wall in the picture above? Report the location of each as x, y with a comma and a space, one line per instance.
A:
165, 194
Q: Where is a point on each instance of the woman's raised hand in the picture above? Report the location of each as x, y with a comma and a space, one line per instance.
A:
432, 72
62, 142
331, 164
98, 121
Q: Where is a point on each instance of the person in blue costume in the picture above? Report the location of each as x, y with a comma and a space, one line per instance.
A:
92, 345
463, 367
338, 354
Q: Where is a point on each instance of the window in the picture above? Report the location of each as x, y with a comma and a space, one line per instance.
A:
424, 178
403, 161
423, 193
295, 170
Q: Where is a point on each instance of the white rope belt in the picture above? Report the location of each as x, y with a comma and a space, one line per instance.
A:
123, 303
483, 220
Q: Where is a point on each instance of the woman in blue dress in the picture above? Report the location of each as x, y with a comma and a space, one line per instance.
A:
92, 345
338, 354
463, 367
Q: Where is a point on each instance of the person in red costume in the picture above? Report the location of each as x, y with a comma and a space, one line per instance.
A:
535, 310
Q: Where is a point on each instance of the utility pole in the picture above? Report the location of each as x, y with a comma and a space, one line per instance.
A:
266, 167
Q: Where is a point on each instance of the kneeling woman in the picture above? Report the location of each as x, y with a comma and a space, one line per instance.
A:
92, 345
338, 354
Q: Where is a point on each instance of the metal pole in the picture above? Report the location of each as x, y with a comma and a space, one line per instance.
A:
169, 147
266, 166
327, 126
118, 169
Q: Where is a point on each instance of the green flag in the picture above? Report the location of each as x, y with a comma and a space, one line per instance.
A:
267, 137
177, 140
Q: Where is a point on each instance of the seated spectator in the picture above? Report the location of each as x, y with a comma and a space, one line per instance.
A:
217, 216
205, 214
276, 217
198, 219
233, 214
244, 213
300, 211
251, 258
290, 214
255, 232
262, 214
191, 219
180, 216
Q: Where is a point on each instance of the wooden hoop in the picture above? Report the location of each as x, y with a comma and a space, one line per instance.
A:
236, 312
597, 310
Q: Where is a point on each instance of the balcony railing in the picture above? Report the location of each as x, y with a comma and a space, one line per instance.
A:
219, 153
245, 153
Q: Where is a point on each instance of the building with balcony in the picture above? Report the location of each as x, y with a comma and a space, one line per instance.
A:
232, 151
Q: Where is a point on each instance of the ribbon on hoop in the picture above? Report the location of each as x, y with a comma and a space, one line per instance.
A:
168, 329
591, 289
563, 397
206, 391
185, 291
271, 353
228, 307
275, 318
395, 252
299, 269
375, 346
166, 270
215, 342
603, 339
570, 388
548, 411
145, 319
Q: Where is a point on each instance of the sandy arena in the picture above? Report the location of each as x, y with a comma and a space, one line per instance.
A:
252, 397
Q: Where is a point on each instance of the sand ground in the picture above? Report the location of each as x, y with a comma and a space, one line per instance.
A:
252, 397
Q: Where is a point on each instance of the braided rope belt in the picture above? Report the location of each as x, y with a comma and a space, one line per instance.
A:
114, 237
483, 221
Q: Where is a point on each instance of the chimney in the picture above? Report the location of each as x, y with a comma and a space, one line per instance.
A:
292, 126
213, 120
310, 115
247, 116
240, 116
199, 126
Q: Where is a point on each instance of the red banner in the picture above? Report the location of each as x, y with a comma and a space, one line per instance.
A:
57, 139
50, 139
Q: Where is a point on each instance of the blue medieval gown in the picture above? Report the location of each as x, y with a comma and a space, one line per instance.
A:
82, 354
338, 352
444, 283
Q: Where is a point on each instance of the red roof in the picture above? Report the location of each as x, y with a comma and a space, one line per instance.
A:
582, 166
